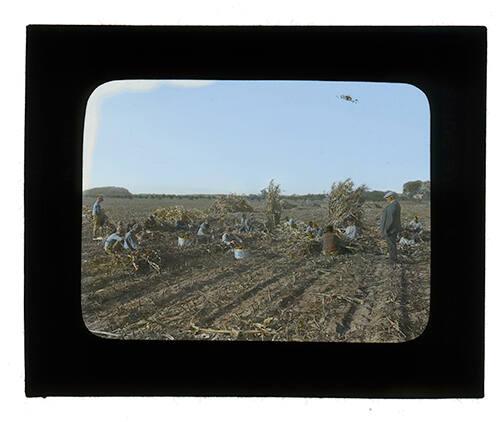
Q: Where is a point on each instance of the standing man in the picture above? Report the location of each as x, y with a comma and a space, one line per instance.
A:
390, 224
98, 217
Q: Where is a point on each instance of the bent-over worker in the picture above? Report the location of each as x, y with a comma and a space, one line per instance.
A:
204, 234
229, 238
115, 240
130, 239
310, 228
415, 225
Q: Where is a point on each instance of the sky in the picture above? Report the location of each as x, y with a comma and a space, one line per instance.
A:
186, 137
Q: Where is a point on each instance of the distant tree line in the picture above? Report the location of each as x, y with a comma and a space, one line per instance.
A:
172, 196
374, 195
416, 189
250, 197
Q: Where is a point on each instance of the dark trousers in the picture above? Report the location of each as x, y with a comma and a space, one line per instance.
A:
392, 246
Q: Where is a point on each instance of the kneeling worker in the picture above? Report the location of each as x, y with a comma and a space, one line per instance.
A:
230, 239
331, 243
115, 240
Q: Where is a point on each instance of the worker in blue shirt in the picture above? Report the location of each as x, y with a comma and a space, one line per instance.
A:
130, 239
98, 217
114, 241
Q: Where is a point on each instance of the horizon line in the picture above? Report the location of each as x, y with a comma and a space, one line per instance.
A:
368, 188
234, 193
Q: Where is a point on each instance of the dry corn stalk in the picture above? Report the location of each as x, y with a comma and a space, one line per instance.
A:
273, 205
345, 203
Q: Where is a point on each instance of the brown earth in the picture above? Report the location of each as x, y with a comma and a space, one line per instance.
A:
202, 292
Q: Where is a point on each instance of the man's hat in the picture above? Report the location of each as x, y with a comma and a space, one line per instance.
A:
389, 194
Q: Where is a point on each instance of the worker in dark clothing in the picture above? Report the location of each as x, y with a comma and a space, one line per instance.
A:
390, 224
331, 243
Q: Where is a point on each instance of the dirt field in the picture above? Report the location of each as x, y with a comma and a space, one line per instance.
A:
202, 292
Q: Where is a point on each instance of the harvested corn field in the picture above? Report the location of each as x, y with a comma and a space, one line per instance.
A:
285, 290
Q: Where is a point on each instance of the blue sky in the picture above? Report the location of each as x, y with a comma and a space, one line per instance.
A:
234, 136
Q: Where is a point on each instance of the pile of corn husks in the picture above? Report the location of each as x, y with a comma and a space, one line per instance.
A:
230, 203
179, 213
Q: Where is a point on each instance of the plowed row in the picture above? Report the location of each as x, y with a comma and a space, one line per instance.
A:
271, 296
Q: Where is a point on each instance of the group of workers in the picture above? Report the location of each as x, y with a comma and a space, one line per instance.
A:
390, 227
228, 238
205, 233
124, 236
314, 229
333, 242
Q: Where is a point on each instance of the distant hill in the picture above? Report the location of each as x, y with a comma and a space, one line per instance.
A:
108, 191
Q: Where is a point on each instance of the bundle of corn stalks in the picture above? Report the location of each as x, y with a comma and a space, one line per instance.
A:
296, 242
306, 247
345, 203
142, 259
230, 203
178, 213
273, 205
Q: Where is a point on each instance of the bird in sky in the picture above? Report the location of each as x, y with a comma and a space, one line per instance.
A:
349, 98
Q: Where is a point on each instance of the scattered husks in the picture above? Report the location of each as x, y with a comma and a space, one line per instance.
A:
142, 259
302, 244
